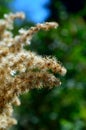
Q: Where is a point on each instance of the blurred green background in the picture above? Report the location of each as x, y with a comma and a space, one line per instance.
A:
64, 107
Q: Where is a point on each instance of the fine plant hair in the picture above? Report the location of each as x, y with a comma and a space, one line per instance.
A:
22, 70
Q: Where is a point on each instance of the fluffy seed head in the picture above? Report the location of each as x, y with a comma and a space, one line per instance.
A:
22, 70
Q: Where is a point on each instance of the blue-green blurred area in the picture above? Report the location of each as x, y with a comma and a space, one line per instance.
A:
64, 107
35, 11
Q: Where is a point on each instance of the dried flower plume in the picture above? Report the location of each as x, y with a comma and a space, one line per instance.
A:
22, 70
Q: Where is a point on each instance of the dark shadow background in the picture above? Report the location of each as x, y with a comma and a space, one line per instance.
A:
62, 108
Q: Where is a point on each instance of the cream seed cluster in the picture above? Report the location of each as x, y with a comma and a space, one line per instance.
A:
22, 70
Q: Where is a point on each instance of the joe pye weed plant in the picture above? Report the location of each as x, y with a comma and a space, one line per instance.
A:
22, 70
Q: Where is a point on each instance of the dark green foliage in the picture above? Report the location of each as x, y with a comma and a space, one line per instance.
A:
4, 8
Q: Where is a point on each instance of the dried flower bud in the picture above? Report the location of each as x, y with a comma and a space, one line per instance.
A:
22, 70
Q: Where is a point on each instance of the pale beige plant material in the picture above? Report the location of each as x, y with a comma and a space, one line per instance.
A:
22, 70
